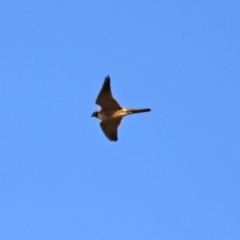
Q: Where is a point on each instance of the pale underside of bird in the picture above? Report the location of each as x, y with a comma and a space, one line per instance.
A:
111, 113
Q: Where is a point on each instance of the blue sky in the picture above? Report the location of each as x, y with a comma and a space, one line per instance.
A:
173, 174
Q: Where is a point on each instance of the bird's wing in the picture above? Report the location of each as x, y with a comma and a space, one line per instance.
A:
105, 98
110, 127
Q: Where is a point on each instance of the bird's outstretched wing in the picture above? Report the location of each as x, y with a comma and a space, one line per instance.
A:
105, 98
110, 127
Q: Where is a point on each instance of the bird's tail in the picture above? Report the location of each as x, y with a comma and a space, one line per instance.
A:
140, 110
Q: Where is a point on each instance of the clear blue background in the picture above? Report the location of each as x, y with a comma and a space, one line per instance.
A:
173, 174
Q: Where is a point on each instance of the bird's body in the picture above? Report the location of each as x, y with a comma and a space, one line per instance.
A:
111, 112
105, 114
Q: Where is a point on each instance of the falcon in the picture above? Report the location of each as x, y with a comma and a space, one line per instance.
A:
111, 113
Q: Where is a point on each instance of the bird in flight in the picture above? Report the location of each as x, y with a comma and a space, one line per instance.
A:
111, 112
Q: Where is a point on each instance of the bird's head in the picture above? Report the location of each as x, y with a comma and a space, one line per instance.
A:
95, 114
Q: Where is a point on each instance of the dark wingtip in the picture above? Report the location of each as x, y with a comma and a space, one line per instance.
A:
113, 139
107, 78
107, 81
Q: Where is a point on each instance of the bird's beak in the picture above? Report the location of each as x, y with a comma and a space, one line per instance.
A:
92, 115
